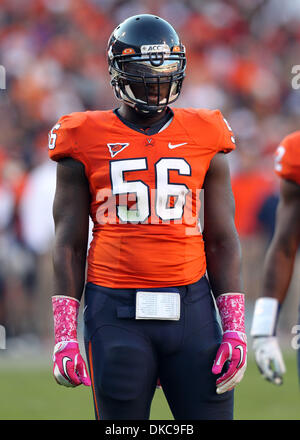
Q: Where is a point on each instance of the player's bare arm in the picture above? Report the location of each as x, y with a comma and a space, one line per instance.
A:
277, 274
71, 217
223, 256
281, 254
222, 246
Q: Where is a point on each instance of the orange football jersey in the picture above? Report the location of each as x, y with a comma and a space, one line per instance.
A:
144, 193
287, 158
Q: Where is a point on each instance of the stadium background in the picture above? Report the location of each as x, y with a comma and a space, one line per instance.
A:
240, 57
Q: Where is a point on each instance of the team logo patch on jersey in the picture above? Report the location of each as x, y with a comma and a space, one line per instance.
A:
116, 148
149, 142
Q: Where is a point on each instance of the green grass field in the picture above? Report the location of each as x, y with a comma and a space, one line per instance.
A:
29, 393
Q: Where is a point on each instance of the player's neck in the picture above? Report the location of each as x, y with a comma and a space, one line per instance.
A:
139, 119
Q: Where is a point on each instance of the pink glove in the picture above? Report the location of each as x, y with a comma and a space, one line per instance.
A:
233, 347
69, 368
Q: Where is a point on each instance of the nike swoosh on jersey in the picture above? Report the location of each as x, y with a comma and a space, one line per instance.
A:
171, 146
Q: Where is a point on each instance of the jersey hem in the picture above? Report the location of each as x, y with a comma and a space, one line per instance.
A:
135, 285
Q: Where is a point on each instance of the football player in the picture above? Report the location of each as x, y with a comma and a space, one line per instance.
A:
138, 171
279, 262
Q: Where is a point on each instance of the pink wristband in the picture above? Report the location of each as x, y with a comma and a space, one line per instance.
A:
65, 313
232, 311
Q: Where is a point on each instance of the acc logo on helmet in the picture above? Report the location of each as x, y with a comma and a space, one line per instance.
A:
146, 48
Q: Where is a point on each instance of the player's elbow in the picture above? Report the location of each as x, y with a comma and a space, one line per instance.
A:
284, 246
69, 248
222, 241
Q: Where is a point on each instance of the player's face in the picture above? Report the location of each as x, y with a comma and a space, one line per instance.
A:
153, 93
156, 87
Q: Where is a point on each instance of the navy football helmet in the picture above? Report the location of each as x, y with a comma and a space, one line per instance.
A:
146, 63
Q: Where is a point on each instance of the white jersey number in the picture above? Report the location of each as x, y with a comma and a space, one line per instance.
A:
280, 152
53, 136
164, 189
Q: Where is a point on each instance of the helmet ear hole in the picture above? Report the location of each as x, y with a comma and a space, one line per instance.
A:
146, 62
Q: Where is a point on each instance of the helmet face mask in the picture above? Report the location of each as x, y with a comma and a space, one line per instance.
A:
146, 76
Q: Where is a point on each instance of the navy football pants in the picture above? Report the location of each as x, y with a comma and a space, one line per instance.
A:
126, 356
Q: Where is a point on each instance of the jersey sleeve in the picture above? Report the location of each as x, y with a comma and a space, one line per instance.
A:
60, 143
227, 140
287, 158
61, 137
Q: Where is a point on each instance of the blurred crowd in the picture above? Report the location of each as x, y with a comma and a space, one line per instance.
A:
240, 57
